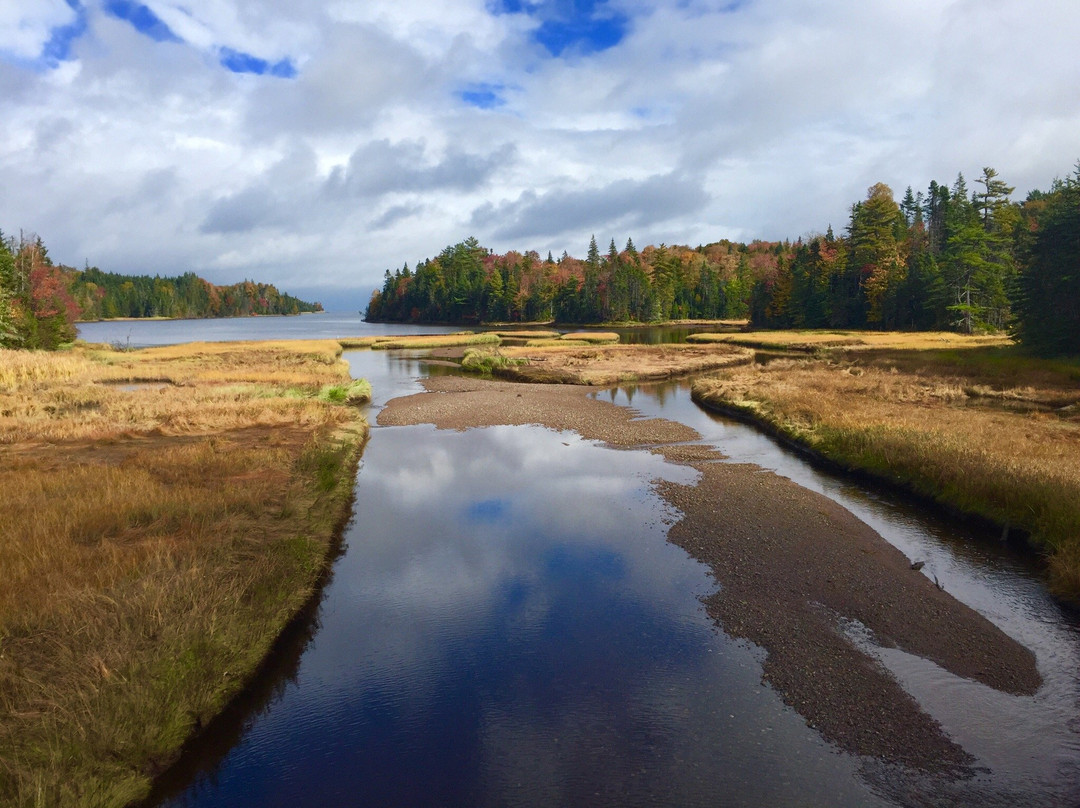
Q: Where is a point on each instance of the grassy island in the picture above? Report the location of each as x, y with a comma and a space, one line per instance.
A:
166, 513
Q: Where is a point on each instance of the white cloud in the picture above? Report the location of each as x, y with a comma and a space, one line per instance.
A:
27, 25
707, 121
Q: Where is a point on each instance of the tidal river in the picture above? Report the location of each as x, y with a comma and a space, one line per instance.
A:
508, 625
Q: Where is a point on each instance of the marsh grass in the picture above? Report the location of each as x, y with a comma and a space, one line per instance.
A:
434, 341
591, 337
813, 341
556, 342
525, 334
986, 431
155, 543
487, 360
567, 362
356, 392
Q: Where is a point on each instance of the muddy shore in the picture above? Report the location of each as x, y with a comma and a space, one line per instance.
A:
794, 570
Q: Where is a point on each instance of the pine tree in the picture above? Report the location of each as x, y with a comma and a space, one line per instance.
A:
1049, 304
874, 251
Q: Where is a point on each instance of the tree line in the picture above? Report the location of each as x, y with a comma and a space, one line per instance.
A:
467, 283
40, 302
950, 258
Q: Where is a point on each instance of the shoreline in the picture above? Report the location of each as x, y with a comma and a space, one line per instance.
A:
183, 319
791, 563
1008, 533
167, 539
922, 428
258, 687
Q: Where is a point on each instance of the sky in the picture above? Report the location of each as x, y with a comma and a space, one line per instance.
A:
314, 145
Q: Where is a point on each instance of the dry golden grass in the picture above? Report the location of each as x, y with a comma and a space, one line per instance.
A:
950, 425
592, 337
156, 540
567, 363
852, 340
94, 393
525, 333
424, 341
555, 342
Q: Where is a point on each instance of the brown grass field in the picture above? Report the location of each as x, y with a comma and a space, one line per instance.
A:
166, 512
570, 363
809, 341
420, 341
976, 426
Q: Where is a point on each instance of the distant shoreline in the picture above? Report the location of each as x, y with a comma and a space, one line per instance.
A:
156, 318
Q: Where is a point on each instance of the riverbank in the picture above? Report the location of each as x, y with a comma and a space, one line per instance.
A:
794, 571
167, 512
980, 430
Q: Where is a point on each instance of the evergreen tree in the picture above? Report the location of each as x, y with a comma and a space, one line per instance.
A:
1049, 304
874, 251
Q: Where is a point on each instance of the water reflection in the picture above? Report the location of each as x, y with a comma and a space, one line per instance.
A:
1032, 744
510, 627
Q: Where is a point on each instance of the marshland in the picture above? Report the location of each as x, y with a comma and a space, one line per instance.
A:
695, 421
466, 627
166, 513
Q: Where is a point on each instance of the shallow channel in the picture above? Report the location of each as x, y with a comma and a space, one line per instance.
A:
509, 626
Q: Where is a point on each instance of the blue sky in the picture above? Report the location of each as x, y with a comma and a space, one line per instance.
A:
315, 145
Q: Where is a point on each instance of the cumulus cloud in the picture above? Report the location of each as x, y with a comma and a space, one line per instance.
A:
329, 141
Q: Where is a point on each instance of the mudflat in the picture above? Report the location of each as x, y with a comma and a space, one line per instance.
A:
794, 569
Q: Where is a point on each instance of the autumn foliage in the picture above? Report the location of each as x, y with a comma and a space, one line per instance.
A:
40, 302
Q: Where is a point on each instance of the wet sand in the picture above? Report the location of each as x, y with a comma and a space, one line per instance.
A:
793, 566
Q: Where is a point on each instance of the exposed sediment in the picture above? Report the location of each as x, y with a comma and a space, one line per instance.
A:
792, 566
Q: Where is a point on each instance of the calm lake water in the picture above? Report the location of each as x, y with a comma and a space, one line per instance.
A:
324, 325
507, 625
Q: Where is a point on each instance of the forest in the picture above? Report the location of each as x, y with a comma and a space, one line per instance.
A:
40, 302
948, 258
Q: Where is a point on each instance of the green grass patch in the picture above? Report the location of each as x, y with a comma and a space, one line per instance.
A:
485, 361
356, 392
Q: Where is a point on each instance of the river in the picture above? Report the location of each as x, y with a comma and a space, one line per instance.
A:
507, 625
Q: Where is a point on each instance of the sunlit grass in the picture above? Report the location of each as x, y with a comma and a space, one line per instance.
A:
434, 341
852, 340
487, 360
569, 362
1004, 447
556, 342
156, 538
524, 333
592, 337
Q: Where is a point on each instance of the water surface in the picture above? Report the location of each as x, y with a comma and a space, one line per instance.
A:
321, 325
509, 626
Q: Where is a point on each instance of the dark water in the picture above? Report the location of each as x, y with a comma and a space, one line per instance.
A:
508, 626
